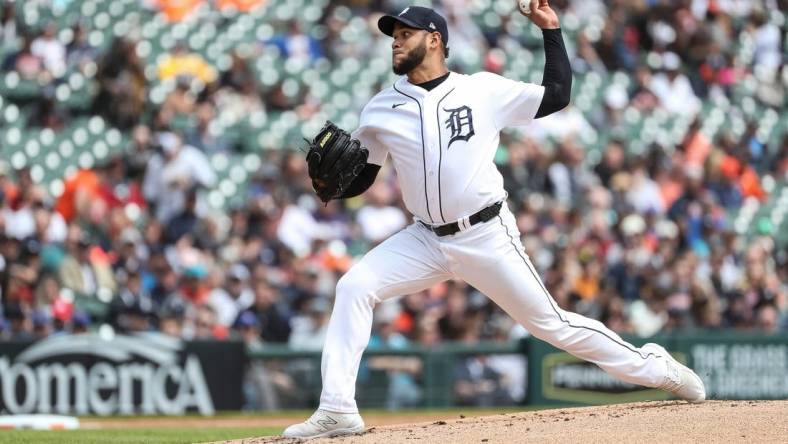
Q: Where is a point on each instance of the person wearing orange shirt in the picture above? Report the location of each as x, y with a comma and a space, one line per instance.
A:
78, 192
177, 10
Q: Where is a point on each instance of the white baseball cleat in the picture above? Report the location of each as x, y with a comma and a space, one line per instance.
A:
681, 380
323, 424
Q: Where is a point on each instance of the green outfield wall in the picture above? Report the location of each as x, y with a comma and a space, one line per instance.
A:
733, 365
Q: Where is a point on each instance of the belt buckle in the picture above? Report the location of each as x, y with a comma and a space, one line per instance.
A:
464, 223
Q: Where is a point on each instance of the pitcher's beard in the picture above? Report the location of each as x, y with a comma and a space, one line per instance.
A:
411, 61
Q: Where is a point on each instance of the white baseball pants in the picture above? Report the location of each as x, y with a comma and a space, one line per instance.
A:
488, 256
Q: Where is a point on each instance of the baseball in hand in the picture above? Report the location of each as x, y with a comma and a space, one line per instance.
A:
524, 6
539, 12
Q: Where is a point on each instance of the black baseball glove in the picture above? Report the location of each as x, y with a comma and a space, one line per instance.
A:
334, 160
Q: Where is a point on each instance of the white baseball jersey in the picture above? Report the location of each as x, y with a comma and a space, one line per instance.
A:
443, 142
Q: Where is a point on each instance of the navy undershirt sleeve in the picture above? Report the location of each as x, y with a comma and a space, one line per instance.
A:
557, 79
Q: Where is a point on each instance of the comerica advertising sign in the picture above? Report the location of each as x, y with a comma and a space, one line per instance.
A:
147, 373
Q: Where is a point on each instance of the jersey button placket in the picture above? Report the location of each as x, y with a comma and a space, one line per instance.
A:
431, 159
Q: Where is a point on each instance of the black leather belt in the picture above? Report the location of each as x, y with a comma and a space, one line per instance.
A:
482, 215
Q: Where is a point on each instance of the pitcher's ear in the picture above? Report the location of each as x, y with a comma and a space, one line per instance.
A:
436, 38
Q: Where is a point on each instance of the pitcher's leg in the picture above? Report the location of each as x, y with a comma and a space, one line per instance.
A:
500, 269
592, 341
405, 263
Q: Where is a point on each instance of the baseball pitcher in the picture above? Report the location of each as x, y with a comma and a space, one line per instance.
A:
441, 130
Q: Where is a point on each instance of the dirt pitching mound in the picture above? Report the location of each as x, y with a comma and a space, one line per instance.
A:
645, 422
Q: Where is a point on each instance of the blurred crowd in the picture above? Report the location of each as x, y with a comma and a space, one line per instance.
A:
641, 241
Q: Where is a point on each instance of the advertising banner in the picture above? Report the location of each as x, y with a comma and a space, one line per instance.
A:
142, 374
558, 378
740, 368
732, 366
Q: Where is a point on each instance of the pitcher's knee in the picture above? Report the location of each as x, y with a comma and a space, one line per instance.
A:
357, 285
548, 328
547, 332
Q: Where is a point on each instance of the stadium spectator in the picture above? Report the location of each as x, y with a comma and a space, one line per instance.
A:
768, 319
8, 26
766, 40
171, 321
673, 88
80, 323
179, 10
272, 314
641, 97
478, 384
248, 327
79, 192
296, 45
454, 322
19, 213
238, 76
172, 174
402, 371
379, 219
181, 63
139, 153
42, 324
20, 325
85, 269
122, 89
23, 61
232, 298
48, 48
133, 292
309, 329
202, 136
80, 52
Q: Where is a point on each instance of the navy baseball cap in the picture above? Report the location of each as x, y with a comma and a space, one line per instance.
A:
416, 17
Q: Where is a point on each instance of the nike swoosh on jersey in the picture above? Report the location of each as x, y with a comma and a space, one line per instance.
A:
398, 104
